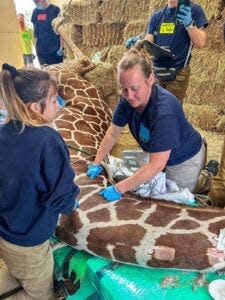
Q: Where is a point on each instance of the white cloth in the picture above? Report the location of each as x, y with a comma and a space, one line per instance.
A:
159, 187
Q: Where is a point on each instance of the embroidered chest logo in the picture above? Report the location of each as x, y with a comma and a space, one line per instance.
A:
167, 28
144, 134
42, 17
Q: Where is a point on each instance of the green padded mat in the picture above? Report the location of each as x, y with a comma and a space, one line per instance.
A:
97, 279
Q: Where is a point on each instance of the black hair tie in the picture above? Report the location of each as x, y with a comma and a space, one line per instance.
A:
11, 69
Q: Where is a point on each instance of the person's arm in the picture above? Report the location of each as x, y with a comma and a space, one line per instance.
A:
197, 36
108, 142
156, 164
149, 37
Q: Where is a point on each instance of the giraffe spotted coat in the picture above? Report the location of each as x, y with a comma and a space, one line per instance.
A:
144, 232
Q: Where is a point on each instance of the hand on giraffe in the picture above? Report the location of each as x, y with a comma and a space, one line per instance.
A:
111, 193
94, 170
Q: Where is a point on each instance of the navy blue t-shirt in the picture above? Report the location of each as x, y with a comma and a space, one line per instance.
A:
36, 183
171, 34
161, 126
47, 41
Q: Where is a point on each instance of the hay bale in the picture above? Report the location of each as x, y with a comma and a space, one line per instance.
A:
134, 28
220, 126
102, 35
215, 39
203, 116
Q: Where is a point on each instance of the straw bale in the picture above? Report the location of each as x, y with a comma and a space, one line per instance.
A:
203, 116
135, 27
114, 54
220, 126
212, 8
207, 84
103, 35
215, 39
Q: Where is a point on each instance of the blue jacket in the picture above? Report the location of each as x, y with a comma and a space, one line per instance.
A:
36, 183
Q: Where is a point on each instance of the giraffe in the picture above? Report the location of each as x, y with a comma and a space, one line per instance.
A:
144, 232
149, 233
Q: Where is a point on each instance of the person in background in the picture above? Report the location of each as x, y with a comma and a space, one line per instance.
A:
27, 40
36, 179
177, 30
49, 45
157, 121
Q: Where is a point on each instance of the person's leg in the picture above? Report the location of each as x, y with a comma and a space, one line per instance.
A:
32, 267
179, 85
217, 189
186, 174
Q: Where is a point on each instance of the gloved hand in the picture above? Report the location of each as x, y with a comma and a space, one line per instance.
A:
61, 101
60, 52
111, 193
130, 42
76, 204
94, 170
184, 15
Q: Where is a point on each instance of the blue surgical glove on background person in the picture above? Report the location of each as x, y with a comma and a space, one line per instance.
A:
94, 170
130, 42
60, 52
184, 15
111, 193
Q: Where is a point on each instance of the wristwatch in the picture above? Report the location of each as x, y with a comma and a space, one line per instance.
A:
190, 26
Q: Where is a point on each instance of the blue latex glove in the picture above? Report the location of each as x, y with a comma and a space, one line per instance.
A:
76, 204
61, 101
130, 42
110, 193
60, 52
94, 170
184, 15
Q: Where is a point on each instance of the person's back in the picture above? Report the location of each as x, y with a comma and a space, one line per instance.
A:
48, 43
36, 179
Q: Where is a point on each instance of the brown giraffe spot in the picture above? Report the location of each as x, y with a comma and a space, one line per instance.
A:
69, 225
205, 214
81, 136
69, 92
162, 216
216, 226
190, 254
66, 125
69, 118
185, 224
75, 83
81, 93
119, 239
134, 209
66, 134
100, 215
92, 92
89, 111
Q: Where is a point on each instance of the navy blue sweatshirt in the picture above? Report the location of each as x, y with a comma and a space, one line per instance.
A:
36, 183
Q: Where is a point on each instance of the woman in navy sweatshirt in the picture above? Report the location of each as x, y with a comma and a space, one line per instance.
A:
36, 179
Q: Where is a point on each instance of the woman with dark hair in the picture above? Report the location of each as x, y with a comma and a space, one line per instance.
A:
36, 179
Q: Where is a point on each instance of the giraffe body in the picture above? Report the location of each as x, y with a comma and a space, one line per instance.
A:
149, 233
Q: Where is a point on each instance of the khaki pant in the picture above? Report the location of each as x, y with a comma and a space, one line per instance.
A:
32, 267
217, 189
186, 174
179, 85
